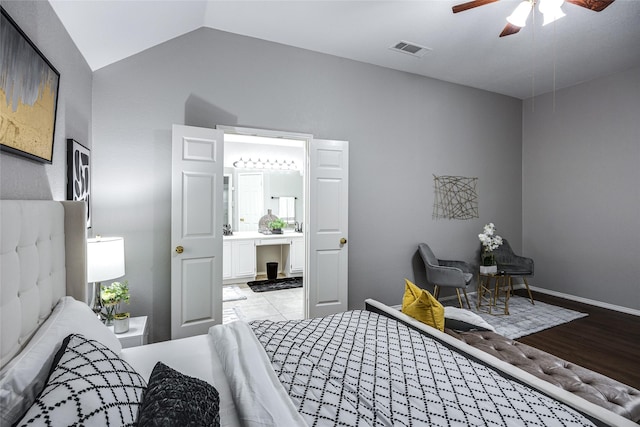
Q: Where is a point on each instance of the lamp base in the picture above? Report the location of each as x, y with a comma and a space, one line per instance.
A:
96, 305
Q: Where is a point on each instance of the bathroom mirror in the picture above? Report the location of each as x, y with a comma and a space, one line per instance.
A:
227, 199
281, 192
263, 174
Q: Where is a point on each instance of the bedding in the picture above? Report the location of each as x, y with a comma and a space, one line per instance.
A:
460, 319
175, 399
259, 397
422, 306
22, 379
89, 385
359, 368
353, 368
194, 356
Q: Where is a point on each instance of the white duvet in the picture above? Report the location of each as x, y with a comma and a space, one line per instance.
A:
361, 369
259, 397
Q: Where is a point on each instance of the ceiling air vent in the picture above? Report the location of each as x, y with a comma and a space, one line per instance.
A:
410, 49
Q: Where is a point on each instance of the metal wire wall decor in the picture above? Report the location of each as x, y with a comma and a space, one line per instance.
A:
455, 197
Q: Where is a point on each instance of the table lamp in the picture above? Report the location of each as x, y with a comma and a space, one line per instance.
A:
105, 261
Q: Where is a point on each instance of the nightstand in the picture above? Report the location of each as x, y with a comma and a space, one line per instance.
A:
137, 334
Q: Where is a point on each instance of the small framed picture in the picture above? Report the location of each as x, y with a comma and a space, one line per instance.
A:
79, 174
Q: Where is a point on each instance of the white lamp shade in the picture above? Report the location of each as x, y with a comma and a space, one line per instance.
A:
105, 258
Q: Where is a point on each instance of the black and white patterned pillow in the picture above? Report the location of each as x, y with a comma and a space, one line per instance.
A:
175, 399
89, 385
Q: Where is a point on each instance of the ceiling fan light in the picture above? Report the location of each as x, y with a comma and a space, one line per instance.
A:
549, 5
520, 14
552, 15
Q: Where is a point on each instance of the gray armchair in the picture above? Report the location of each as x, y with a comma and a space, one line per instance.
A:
446, 273
513, 265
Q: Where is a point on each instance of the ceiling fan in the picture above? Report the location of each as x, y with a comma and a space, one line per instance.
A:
549, 8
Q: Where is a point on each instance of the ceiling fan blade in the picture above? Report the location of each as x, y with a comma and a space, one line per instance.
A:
470, 5
509, 29
595, 5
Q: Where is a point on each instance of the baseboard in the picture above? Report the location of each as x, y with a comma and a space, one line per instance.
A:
601, 304
453, 297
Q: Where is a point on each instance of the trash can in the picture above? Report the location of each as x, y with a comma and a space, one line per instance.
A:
272, 270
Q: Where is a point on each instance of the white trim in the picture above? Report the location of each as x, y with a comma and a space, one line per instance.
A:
284, 136
583, 300
601, 304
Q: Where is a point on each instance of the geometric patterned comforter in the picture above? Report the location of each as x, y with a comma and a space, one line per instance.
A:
359, 368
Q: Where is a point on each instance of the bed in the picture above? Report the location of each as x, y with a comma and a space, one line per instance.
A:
362, 367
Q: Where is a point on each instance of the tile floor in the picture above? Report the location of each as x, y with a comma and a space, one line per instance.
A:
286, 304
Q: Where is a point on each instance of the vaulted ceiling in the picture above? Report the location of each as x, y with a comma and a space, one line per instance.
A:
463, 48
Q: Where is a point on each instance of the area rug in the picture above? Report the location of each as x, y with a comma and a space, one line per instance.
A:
275, 284
232, 293
232, 314
525, 318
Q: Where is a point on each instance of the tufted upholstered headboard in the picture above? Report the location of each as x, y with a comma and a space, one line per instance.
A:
42, 258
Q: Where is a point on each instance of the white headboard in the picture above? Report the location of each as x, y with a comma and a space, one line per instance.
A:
42, 258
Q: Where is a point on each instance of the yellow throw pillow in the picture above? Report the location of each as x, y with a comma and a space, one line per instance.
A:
422, 306
411, 293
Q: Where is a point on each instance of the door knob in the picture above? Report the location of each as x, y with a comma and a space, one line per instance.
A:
343, 241
179, 249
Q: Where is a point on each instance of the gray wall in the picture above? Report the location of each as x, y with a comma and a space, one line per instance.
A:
581, 198
402, 129
25, 179
577, 165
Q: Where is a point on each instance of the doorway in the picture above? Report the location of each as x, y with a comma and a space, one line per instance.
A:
202, 260
266, 177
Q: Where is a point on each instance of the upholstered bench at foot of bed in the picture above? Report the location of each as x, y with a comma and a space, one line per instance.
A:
589, 385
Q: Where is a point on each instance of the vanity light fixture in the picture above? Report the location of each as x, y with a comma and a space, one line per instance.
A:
266, 164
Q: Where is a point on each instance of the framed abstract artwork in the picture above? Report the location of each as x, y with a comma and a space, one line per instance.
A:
79, 174
28, 95
455, 197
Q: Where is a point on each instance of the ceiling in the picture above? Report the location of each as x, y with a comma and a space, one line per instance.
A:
465, 47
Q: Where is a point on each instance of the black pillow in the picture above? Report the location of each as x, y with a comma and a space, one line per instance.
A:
175, 399
88, 385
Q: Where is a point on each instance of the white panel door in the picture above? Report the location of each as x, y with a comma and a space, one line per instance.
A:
326, 277
250, 200
196, 230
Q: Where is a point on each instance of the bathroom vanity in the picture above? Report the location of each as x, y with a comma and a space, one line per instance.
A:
246, 253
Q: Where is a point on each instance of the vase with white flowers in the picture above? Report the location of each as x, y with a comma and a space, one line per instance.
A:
112, 296
490, 241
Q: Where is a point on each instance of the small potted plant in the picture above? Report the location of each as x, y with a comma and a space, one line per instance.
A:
490, 241
112, 296
277, 225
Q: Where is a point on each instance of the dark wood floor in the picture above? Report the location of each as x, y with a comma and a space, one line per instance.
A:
605, 341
